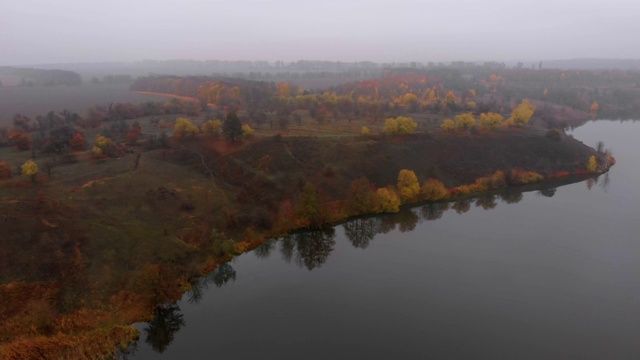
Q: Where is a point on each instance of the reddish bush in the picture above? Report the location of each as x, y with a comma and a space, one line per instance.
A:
5, 170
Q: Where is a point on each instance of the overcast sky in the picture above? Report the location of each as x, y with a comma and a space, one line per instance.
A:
56, 31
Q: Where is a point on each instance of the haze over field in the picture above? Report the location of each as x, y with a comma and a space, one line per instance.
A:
41, 31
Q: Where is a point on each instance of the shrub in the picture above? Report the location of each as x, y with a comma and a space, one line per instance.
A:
433, 190
5, 170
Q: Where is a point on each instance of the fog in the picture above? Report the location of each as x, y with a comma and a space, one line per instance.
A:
44, 31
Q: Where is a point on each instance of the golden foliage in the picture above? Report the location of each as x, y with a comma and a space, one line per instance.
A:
387, 200
184, 128
400, 125
408, 185
521, 114
212, 127
29, 168
365, 131
448, 125
592, 165
433, 190
465, 121
519, 176
490, 120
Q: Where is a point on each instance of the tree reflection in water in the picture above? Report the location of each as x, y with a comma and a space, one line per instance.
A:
313, 247
547, 192
361, 231
433, 211
160, 331
487, 202
219, 277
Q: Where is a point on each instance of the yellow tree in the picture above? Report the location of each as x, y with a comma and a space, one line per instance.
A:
387, 201
365, 131
592, 165
521, 114
594, 107
184, 128
30, 168
390, 126
406, 125
408, 185
400, 125
212, 127
490, 120
465, 121
448, 125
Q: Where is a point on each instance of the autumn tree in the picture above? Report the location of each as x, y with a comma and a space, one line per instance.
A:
105, 147
400, 125
448, 125
78, 142
365, 131
594, 107
30, 168
21, 140
309, 206
592, 165
387, 200
184, 128
134, 133
212, 127
232, 128
465, 121
433, 190
5, 170
521, 114
361, 198
408, 186
490, 120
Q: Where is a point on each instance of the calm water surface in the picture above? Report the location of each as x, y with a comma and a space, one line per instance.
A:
547, 274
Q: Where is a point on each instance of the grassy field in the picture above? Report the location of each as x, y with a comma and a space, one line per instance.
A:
39, 100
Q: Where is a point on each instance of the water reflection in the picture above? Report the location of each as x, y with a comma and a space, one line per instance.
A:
547, 192
361, 231
160, 331
222, 275
311, 249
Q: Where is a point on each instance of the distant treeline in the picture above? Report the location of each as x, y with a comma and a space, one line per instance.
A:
44, 77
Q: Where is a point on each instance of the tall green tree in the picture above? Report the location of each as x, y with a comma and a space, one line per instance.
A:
232, 128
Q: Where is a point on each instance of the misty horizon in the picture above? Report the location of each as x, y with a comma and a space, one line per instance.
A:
72, 31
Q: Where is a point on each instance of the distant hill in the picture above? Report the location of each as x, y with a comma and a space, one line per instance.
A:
46, 77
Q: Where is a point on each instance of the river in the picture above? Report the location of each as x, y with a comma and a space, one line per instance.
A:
552, 274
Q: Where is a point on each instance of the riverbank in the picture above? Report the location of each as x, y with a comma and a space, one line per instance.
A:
135, 232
